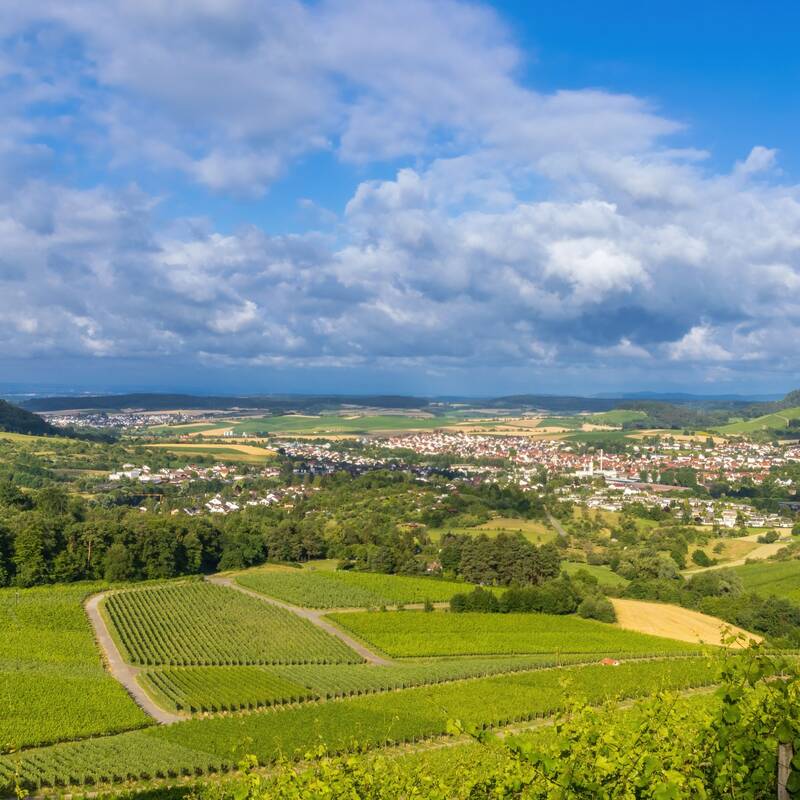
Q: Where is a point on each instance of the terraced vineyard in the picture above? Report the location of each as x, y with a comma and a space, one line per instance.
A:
202, 624
201, 746
222, 688
415, 633
344, 589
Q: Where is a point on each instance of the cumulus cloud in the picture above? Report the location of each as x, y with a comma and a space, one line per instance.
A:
522, 229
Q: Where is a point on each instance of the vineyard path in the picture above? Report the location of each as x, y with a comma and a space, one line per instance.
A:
119, 669
313, 615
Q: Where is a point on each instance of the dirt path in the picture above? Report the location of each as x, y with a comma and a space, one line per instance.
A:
119, 669
314, 616
760, 553
672, 622
559, 528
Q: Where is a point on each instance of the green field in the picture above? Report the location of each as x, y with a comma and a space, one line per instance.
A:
416, 633
616, 417
605, 575
202, 624
347, 589
52, 682
779, 578
199, 746
325, 423
768, 422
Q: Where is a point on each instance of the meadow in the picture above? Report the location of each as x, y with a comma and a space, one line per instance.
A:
779, 578
52, 683
346, 589
535, 531
419, 634
605, 575
767, 422
197, 747
202, 624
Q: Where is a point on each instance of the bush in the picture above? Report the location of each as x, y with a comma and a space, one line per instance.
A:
769, 537
599, 608
701, 559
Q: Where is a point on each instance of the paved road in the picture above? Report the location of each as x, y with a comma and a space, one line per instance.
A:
119, 669
314, 616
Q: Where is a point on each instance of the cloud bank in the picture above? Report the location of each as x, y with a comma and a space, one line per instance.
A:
520, 229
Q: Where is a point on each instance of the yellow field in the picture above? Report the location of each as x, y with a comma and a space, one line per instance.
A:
673, 622
248, 449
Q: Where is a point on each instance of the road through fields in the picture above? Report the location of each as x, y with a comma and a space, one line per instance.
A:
119, 669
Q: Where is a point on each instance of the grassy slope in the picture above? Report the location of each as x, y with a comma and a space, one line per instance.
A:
767, 422
779, 578
52, 682
604, 575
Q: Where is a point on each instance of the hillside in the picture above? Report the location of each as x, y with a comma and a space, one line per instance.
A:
778, 421
14, 419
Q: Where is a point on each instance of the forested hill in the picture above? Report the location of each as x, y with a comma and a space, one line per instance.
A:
14, 419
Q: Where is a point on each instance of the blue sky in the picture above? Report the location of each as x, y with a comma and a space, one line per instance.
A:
426, 197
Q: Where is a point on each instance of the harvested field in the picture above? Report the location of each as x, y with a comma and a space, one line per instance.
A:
674, 622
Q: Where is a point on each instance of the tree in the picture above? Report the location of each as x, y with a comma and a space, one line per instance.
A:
118, 564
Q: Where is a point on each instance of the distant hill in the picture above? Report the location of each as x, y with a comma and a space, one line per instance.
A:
166, 402
14, 419
780, 421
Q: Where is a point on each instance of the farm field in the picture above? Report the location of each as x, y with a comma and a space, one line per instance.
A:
418, 634
212, 689
662, 619
346, 589
246, 453
201, 624
200, 746
52, 683
778, 578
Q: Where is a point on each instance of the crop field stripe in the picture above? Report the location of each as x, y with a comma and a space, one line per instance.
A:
199, 746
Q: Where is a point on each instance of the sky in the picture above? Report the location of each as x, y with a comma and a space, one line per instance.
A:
426, 197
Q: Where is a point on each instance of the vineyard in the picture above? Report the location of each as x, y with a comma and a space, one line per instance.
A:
344, 589
779, 578
213, 689
210, 745
52, 682
202, 624
416, 633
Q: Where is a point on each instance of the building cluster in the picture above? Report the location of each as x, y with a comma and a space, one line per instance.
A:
645, 463
117, 419
177, 476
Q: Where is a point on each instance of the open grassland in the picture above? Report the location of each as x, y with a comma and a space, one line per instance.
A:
200, 746
605, 576
346, 589
535, 531
768, 422
416, 633
779, 578
662, 619
52, 682
202, 624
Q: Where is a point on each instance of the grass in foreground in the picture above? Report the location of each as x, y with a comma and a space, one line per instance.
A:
52, 683
416, 633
